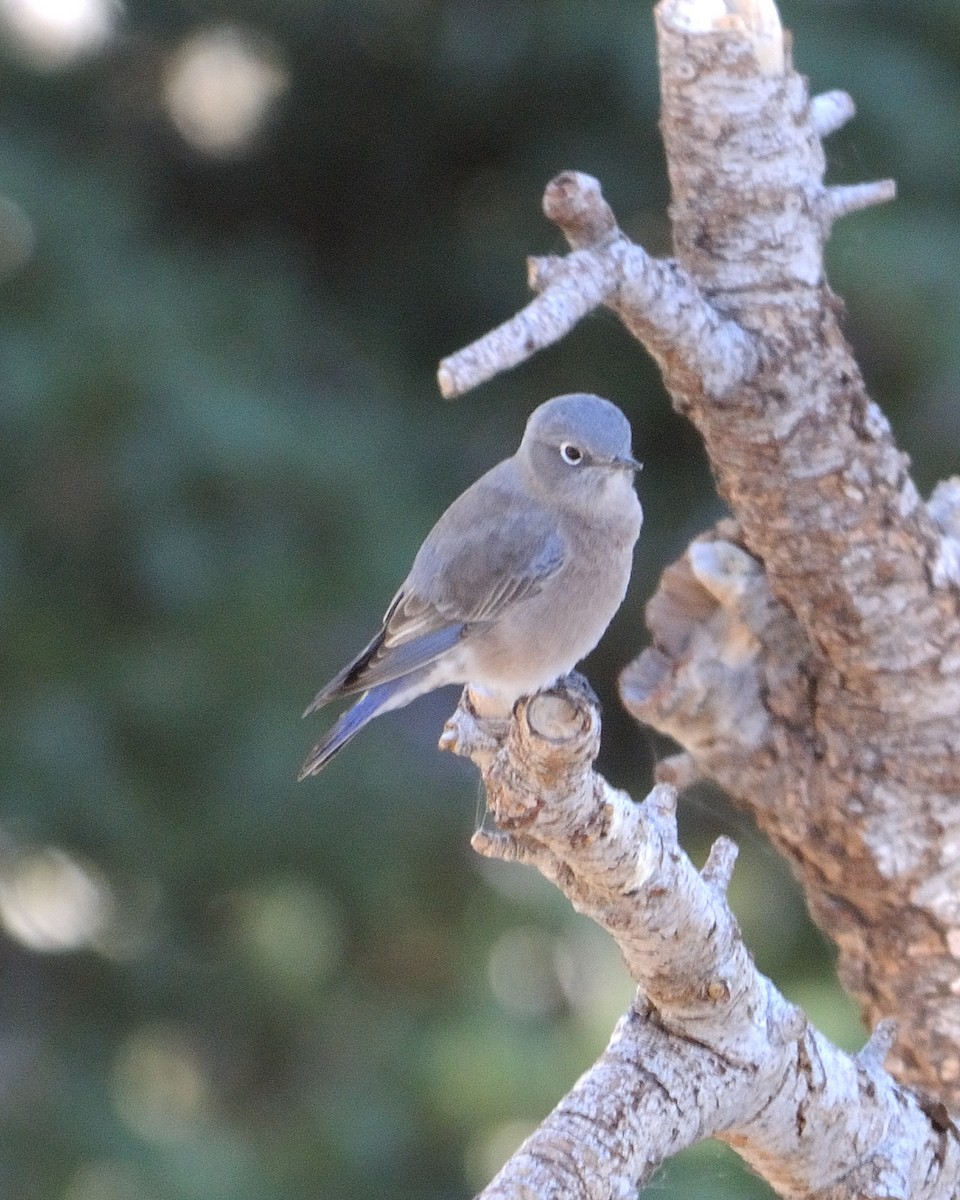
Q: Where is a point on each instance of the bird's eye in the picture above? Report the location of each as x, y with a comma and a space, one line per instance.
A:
570, 453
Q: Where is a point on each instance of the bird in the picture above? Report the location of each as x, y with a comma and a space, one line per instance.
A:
516, 582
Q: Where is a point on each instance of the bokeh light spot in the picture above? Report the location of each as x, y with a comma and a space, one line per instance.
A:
17, 238
107, 1180
220, 86
159, 1086
592, 976
290, 931
55, 33
51, 902
522, 974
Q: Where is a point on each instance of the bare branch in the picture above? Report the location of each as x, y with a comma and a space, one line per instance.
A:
840, 201
807, 656
657, 301
710, 1048
581, 282
830, 111
574, 202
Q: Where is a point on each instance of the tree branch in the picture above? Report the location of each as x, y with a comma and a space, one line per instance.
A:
710, 1048
656, 300
807, 656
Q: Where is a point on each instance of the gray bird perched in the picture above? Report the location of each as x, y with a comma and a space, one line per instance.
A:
515, 583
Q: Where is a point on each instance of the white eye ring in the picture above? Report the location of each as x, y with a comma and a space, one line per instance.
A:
572, 455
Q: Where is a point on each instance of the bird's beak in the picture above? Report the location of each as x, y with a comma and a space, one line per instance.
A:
626, 462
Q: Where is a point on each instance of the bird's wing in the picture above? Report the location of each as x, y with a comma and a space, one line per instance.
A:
493, 547
379, 663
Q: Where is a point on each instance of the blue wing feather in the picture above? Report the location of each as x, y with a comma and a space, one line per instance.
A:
379, 663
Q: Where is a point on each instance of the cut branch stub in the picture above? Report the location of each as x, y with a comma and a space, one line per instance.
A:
574, 202
821, 685
709, 1048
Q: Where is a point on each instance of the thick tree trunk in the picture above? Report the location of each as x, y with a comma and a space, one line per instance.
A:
806, 652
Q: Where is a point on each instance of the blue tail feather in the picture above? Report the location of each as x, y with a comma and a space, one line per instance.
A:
382, 698
347, 726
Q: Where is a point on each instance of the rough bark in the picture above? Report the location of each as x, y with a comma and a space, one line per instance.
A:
710, 1048
806, 653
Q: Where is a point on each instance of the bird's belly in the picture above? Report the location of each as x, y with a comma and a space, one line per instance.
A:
545, 637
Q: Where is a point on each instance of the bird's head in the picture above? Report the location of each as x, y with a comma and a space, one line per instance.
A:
576, 450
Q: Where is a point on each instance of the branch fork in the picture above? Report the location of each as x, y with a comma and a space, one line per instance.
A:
709, 1047
805, 655
656, 299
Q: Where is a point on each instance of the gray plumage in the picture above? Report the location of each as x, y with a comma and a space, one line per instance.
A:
515, 583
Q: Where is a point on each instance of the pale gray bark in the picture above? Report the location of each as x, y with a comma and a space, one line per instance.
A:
710, 1048
806, 654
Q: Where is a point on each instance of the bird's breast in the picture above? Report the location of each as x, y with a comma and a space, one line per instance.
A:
545, 635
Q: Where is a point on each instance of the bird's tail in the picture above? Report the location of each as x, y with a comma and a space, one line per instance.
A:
394, 693
347, 726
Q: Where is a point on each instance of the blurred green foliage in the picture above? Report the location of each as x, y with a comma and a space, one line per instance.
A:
220, 445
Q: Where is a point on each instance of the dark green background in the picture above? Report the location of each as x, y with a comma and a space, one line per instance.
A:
220, 445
